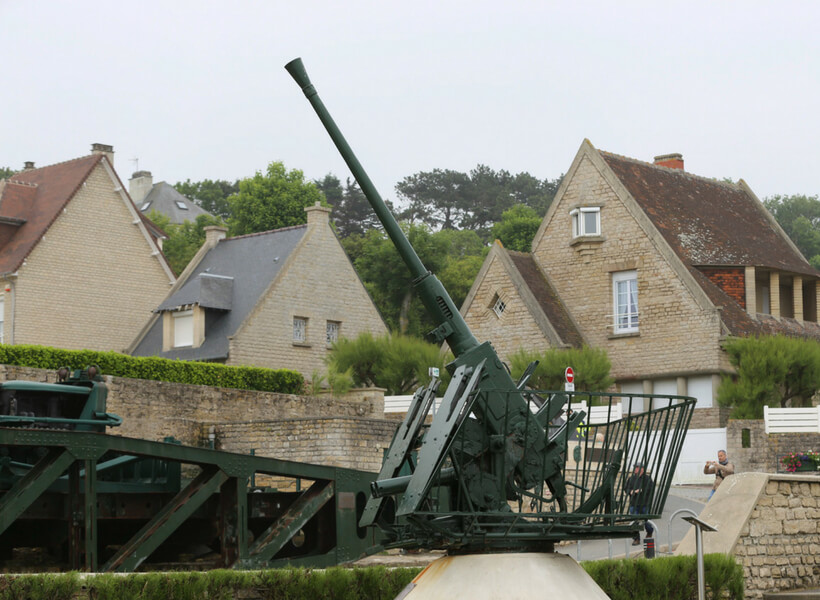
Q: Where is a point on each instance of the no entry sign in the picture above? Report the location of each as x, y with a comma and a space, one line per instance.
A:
569, 376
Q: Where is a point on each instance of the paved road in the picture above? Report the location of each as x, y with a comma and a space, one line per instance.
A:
680, 497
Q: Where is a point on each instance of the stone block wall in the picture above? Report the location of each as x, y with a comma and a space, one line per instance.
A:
779, 546
764, 451
708, 418
322, 430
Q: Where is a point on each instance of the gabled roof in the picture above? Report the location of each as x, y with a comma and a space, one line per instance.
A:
243, 267
33, 199
708, 222
546, 297
164, 199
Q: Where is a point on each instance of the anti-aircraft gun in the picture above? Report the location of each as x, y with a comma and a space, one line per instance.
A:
490, 472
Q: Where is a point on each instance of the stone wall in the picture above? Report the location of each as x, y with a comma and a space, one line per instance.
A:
779, 547
771, 524
708, 418
321, 430
765, 450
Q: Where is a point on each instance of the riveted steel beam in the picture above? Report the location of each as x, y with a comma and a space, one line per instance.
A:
294, 518
169, 518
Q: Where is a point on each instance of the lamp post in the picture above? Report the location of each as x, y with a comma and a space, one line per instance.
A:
700, 527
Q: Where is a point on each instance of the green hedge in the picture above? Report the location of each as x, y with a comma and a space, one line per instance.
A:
283, 381
663, 578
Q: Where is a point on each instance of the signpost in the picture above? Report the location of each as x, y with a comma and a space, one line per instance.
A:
569, 378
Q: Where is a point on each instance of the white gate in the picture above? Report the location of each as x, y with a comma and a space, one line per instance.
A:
699, 446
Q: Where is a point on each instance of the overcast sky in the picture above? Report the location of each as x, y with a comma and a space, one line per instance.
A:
197, 89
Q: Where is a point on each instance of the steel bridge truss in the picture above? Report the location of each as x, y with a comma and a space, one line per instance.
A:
106, 524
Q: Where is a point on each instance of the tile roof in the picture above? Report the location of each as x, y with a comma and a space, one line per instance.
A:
705, 221
547, 298
250, 263
35, 198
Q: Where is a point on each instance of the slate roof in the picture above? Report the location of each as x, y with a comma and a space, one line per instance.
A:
230, 281
164, 199
547, 298
705, 221
30, 202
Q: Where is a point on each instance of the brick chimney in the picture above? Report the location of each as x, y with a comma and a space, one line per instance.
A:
28, 165
213, 234
140, 185
318, 214
672, 161
104, 149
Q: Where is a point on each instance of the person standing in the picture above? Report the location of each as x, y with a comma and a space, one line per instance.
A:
721, 469
639, 488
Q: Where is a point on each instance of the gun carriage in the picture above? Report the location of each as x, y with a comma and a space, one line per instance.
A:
490, 471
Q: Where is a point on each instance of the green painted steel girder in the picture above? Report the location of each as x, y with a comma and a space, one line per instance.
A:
33, 484
170, 517
289, 524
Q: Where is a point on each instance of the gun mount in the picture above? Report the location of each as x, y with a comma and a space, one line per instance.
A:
490, 472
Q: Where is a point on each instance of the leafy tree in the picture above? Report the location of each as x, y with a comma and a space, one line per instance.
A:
210, 195
517, 227
452, 200
591, 367
799, 216
271, 200
773, 371
352, 213
184, 240
6, 172
455, 256
398, 363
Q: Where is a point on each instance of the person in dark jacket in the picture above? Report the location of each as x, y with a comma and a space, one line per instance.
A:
639, 489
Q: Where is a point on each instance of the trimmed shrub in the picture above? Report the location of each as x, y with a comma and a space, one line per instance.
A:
283, 381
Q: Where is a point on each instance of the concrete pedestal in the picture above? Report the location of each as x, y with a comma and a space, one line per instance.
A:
504, 577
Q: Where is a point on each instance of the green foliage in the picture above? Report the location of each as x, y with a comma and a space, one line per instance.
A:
352, 213
282, 381
397, 363
662, 578
517, 228
773, 371
210, 195
6, 172
455, 256
184, 240
272, 200
475, 201
667, 577
799, 216
591, 367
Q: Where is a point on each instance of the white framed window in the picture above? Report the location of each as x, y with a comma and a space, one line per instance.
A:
145, 206
183, 328
586, 221
499, 306
300, 330
181, 205
625, 301
332, 332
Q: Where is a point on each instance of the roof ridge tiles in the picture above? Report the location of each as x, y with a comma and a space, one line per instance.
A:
683, 172
17, 182
62, 162
258, 233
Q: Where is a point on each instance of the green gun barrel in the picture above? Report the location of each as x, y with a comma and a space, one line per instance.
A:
451, 325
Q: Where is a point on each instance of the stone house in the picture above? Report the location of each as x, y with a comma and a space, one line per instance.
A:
163, 198
276, 299
653, 264
79, 265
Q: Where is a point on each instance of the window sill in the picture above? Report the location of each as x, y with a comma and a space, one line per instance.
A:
302, 344
587, 239
627, 334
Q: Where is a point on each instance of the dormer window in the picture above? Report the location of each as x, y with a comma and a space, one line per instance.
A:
586, 221
183, 328
181, 205
145, 206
